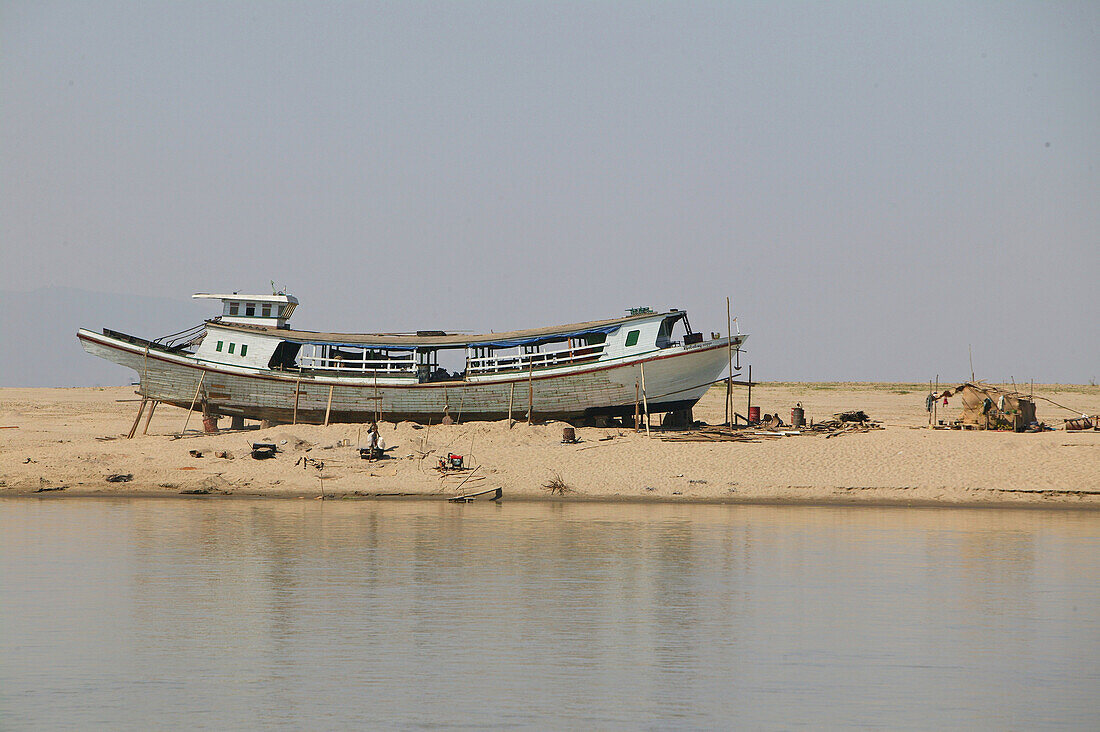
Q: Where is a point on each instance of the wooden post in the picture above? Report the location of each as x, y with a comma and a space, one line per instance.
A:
377, 401
149, 418
137, 419
328, 407
729, 353
936, 406
297, 392
645, 402
192, 407
531, 394
748, 411
637, 408
931, 393
511, 396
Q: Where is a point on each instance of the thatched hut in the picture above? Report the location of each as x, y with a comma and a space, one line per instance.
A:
992, 408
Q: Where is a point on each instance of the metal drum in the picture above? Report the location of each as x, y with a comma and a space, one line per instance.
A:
798, 417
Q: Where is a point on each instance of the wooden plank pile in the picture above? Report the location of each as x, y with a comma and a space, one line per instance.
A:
844, 423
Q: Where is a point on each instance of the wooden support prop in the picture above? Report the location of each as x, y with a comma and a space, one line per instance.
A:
637, 407
137, 419
531, 395
511, 396
645, 401
149, 418
729, 353
377, 401
297, 392
192, 407
328, 407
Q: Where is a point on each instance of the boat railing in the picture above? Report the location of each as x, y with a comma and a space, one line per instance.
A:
183, 338
395, 366
526, 361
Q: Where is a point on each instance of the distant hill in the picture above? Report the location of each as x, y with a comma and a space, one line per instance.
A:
38, 344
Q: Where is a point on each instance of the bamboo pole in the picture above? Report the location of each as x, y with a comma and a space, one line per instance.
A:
934, 400
936, 406
645, 402
511, 396
328, 407
192, 407
149, 418
729, 353
377, 401
531, 395
137, 419
297, 392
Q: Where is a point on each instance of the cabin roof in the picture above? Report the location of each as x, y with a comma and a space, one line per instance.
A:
279, 297
449, 340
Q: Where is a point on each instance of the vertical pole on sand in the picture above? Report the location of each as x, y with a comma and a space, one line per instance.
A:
511, 396
531, 394
137, 419
645, 402
377, 402
936, 404
637, 408
192, 407
748, 411
729, 353
328, 407
149, 418
297, 392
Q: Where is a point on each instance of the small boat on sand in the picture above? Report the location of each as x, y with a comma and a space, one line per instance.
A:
249, 362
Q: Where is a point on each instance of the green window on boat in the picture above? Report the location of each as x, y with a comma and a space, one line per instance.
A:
219, 346
231, 347
244, 348
631, 339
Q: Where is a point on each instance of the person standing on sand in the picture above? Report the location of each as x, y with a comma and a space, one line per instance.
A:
374, 441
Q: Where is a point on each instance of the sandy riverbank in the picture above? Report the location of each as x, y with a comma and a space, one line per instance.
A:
75, 438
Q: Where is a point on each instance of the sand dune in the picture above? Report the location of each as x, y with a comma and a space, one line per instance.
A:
75, 439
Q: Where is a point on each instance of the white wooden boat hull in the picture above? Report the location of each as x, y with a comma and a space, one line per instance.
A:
676, 378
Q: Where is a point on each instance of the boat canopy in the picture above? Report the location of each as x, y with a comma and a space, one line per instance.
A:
408, 342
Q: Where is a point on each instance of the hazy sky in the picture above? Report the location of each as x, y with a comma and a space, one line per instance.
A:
875, 185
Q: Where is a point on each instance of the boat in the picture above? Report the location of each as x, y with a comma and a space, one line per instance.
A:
248, 362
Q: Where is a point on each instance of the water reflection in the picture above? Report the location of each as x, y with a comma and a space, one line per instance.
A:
335, 614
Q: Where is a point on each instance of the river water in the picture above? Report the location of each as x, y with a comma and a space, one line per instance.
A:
226, 614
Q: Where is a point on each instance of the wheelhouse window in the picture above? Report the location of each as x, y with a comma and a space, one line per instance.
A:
266, 310
632, 338
219, 346
231, 346
250, 309
244, 349
234, 308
